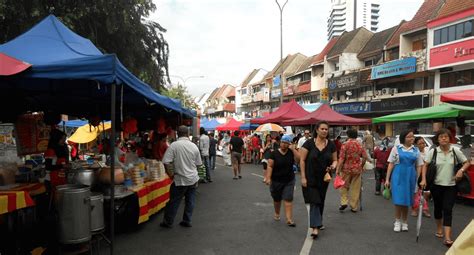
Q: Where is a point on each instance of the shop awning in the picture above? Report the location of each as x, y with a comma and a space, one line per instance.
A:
88, 133
325, 113
73, 123
59, 57
286, 111
11, 66
465, 97
231, 125
435, 112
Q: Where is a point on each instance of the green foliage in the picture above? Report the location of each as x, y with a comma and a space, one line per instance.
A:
114, 26
180, 92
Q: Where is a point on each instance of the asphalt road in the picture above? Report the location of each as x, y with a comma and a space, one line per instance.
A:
236, 217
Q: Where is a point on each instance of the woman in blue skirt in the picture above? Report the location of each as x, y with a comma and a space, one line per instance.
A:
404, 168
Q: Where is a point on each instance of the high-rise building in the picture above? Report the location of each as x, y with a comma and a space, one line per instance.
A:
347, 15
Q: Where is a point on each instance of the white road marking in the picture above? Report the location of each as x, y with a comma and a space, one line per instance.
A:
223, 165
308, 242
258, 175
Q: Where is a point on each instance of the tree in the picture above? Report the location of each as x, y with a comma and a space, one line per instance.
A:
118, 27
180, 92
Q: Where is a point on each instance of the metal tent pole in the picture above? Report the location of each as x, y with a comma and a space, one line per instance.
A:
112, 167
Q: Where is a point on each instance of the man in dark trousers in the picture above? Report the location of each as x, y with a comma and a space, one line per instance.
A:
212, 151
235, 146
181, 161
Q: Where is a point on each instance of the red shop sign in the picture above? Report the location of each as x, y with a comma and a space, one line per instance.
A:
452, 53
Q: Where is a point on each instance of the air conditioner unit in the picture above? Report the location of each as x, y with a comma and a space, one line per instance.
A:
342, 97
378, 93
385, 91
394, 91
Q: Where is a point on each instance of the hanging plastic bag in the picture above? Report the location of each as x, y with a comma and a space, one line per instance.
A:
338, 182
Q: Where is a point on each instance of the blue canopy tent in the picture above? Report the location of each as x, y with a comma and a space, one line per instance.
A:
64, 62
211, 125
249, 126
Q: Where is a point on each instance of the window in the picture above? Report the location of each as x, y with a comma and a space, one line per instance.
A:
460, 78
437, 36
453, 32
336, 66
419, 45
369, 62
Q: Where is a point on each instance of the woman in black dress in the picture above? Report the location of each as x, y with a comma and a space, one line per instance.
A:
317, 156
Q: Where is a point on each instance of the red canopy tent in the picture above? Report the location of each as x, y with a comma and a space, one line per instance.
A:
465, 97
11, 66
286, 111
325, 113
232, 124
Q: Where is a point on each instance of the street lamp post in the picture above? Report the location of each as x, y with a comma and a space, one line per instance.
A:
186, 79
281, 7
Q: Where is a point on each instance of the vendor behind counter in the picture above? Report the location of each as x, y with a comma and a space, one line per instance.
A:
56, 158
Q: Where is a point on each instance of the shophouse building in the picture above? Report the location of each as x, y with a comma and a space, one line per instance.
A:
299, 85
252, 93
221, 102
346, 84
451, 48
403, 81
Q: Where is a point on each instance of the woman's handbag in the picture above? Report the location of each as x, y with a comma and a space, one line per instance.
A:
327, 177
431, 171
338, 182
464, 185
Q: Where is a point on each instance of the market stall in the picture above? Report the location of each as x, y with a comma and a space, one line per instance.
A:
69, 75
287, 111
211, 125
231, 125
465, 97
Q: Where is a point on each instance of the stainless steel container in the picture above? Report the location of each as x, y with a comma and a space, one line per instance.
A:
97, 211
74, 207
82, 176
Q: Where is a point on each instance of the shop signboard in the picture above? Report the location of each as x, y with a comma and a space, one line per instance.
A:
348, 108
258, 96
349, 81
7, 144
276, 81
288, 90
451, 54
32, 134
303, 87
211, 110
276, 93
400, 103
324, 95
394, 68
246, 99
266, 95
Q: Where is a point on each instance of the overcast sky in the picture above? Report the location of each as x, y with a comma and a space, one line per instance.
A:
223, 40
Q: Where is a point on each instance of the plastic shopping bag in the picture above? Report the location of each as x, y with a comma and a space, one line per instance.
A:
338, 182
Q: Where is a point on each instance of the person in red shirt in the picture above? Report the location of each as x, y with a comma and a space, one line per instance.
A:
56, 159
256, 149
381, 154
351, 161
159, 146
338, 144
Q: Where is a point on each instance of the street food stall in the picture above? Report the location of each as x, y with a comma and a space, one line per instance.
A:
66, 74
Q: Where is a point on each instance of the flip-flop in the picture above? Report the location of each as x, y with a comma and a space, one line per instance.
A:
439, 235
291, 224
276, 217
448, 243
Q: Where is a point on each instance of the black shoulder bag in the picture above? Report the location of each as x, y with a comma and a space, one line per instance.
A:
464, 185
431, 171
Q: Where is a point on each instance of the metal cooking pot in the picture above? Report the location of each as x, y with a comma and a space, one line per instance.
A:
97, 212
83, 176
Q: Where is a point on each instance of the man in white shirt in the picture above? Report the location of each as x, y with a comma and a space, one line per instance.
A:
303, 139
204, 148
181, 162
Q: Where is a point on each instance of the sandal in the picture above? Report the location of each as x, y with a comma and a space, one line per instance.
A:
276, 217
291, 224
426, 214
448, 243
439, 235
314, 235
